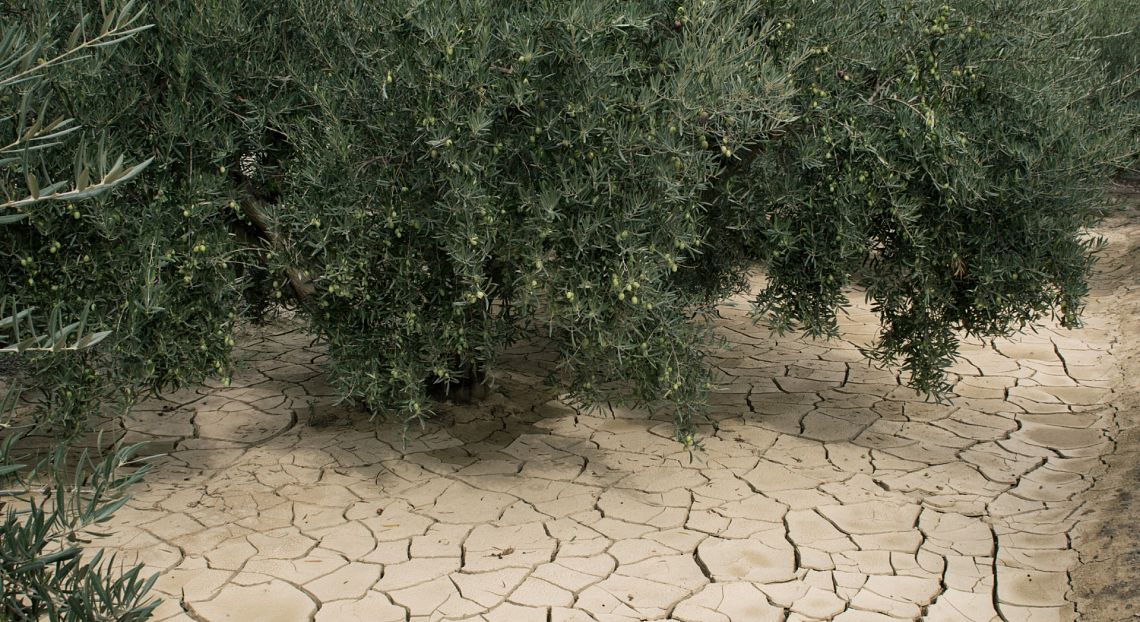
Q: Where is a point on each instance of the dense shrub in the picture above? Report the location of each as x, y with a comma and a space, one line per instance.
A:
53, 504
498, 171
948, 161
1115, 27
138, 260
428, 183
52, 508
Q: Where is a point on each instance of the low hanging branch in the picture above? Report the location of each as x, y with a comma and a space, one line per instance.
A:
254, 210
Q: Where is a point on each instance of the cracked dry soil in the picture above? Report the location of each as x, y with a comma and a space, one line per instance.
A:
1106, 579
827, 491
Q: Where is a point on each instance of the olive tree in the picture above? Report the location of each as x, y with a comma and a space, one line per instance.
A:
55, 503
427, 184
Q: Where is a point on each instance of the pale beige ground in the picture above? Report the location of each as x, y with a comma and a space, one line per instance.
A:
827, 491
1107, 536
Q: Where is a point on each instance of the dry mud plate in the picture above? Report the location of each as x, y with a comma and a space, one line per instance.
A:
827, 491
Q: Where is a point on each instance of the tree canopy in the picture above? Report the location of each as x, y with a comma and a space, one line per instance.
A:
428, 183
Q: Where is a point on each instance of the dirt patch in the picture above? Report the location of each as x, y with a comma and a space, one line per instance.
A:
1106, 584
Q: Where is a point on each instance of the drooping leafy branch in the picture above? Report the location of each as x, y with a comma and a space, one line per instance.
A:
55, 505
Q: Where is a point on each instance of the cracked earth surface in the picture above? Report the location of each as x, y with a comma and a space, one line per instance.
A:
826, 491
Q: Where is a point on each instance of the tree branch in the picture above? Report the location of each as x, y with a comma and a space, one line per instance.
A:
254, 209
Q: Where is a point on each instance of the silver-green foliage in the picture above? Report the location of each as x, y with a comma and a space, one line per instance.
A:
55, 505
76, 248
52, 509
596, 172
430, 182
486, 171
949, 161
1115, 26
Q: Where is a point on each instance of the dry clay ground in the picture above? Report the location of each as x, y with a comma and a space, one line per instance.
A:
826, 490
